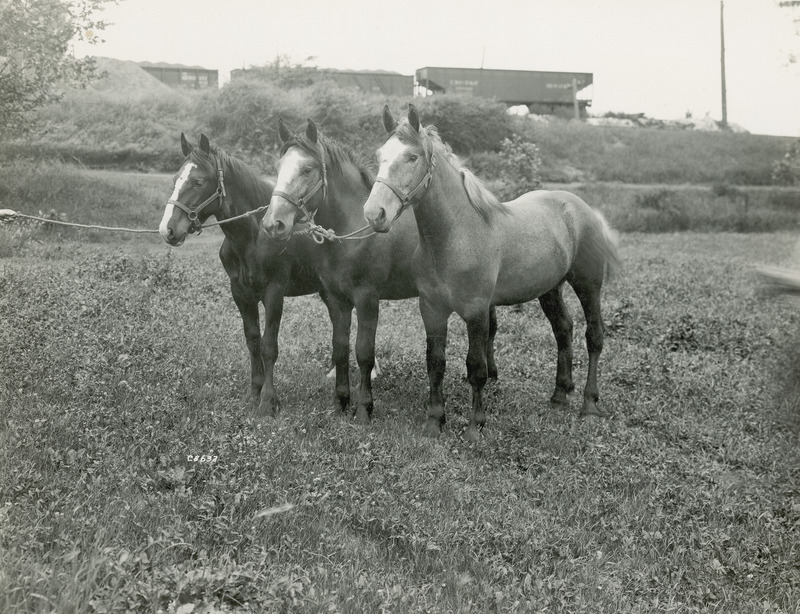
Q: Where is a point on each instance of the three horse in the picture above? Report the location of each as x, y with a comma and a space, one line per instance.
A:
212, 182
476, 252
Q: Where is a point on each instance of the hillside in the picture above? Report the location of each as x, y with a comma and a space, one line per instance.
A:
127, 119
124, 77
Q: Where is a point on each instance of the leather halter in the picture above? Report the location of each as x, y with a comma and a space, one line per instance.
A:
406, 198
192, 212
300, 203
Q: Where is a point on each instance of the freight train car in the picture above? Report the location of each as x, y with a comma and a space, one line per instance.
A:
513, 87
178, 75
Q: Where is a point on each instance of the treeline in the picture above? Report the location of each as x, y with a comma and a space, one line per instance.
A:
140, 130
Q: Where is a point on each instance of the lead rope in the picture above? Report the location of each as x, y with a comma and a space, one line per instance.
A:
316, 232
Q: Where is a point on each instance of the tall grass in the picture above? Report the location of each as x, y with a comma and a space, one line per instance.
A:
694, 208
572, 151
65, 192
112, 130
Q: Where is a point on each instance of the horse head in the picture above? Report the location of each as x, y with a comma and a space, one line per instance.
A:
302, 183
404, 172
197, 192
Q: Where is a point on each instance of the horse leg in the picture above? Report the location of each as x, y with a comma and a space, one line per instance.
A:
367, 307
273, 311
248, 309
341, 313
435, 320
477, 371
589, 297
491, 364
557, 313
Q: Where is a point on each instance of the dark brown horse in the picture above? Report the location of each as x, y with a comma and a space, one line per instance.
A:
321, 181
476, 252
212, 182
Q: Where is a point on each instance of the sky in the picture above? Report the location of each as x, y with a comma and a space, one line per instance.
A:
658, 57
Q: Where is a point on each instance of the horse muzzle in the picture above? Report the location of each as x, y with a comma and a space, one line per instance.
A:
377, 217
276, 229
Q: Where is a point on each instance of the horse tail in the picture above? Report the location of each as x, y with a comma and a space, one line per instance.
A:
607, 247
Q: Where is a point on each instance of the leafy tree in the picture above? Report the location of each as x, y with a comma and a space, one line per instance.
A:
35, 37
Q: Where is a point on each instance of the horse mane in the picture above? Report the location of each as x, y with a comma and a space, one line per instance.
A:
257, 190
339, 156
482, 200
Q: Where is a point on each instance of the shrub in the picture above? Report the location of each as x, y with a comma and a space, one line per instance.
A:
466, 123
488, 165
786, 171
243, 118
520, 167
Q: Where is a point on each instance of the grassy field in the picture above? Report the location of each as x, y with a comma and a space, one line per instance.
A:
134, 480
137, 200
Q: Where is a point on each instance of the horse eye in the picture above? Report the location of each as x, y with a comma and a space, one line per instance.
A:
198, 182
413, 157
306, 171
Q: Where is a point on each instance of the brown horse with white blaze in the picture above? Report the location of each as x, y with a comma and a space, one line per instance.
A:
476, 252
212, 182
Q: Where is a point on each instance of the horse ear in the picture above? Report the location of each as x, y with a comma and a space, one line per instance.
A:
205, 147
186, 148
283, 131
389, 122
413, 117
311, 131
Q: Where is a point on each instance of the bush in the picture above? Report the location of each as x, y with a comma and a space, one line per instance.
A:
243, 118
520, 167
488, 165
786, 171
467, 124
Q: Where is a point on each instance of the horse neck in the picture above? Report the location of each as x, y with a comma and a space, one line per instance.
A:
343, 211
444, 211
242, 232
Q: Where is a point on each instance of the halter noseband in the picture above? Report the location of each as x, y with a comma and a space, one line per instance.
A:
192, 212
300, 203
406, 198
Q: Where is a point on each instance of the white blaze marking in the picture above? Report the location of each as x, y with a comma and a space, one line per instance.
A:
289, 169
162, 229
391, 151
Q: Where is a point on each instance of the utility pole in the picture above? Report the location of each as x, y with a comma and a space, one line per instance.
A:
722, 63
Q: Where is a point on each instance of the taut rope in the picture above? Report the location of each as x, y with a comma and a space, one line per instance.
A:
314, 231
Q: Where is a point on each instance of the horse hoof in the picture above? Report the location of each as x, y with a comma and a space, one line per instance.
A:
472, 434
432, 428
559, 399
268, 408
343, 404
590, 411
253, 397
492, 372
363, 414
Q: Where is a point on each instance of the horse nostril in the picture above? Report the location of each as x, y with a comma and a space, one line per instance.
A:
381, 215
170, 234
279, 227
